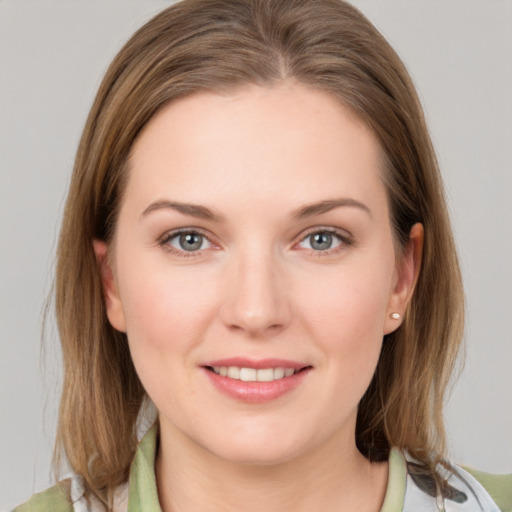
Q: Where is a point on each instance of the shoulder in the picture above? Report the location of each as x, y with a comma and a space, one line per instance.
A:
69, 496
465, 490
55, 499
499, 487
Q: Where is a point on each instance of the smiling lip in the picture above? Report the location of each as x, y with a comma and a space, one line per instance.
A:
255, 381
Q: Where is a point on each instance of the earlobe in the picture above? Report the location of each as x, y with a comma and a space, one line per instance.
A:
407, 273
113, 304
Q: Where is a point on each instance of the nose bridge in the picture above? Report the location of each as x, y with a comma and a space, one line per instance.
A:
257, 301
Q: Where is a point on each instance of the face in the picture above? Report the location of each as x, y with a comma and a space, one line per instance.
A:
254, 271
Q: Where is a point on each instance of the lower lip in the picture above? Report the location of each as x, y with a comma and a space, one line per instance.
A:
256, 392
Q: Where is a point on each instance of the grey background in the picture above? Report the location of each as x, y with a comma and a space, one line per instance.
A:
52, 57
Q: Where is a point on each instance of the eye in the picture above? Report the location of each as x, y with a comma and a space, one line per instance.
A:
188, 241
323, 240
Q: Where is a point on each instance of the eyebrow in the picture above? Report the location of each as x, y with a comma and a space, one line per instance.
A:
325, 206
202, 212
194, 210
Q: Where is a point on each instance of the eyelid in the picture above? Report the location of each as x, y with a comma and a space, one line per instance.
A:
163, 241
342, 233
345, 237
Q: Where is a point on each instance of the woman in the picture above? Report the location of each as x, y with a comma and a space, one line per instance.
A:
256, 240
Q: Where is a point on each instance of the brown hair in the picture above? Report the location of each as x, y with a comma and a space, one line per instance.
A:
217, 45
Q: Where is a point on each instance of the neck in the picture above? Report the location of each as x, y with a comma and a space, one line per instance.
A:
332, 477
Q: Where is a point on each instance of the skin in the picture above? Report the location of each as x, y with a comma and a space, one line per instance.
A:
258, 288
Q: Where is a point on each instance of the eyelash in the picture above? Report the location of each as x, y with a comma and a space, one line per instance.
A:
346, 240
165, 239
343, 237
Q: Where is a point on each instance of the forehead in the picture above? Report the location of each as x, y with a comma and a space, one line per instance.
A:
286, 143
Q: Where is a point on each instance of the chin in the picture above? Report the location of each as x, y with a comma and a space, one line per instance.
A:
253, 450
256, 457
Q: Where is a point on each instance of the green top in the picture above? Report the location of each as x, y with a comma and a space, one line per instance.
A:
498, 486
470, 490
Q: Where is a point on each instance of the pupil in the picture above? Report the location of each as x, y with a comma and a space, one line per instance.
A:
321, 241
191, 241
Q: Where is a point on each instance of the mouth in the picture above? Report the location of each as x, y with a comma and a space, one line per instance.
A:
246, 374
256, 381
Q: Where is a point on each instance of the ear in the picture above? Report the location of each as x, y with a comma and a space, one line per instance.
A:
111, 296
406, 276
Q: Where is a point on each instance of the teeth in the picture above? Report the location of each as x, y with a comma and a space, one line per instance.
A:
248, 374
234, 372
253, 375
265, 375
278, 373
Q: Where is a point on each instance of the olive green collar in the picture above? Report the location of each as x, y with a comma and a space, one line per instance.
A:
143, 493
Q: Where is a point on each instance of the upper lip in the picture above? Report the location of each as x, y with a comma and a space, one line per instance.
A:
243, 362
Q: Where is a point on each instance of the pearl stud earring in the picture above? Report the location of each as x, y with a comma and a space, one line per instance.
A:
395, 316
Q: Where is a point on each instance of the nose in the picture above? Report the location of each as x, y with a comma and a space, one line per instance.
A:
256, 300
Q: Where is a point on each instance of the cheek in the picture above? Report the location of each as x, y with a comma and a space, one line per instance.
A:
352, 302
166, 318
166, 310
347, 318
166, 306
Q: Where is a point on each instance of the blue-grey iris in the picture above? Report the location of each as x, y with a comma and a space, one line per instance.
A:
321, 241
191, 241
